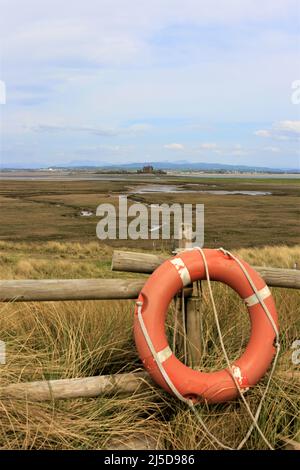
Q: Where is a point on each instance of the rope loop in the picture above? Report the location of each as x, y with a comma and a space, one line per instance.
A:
189, 402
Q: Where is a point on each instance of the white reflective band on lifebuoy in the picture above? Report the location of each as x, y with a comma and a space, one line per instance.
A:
182, 270
236, 371
255, 299
164, 354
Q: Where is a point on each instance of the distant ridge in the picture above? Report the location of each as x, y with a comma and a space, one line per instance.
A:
164, 165
185, 166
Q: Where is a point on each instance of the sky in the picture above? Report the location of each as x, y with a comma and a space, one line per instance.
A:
117, 81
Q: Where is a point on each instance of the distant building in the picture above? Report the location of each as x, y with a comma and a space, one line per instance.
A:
149, 169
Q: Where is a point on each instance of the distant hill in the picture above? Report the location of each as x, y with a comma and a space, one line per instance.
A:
176, 166
164, 165
199, 166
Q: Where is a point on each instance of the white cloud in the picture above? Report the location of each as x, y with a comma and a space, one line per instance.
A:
263, 133
134, 129
221, 149
282, 137
281, 130
104, 132
77, 43
209, 145
288, 126
272, 149
2, 92
239, 152
142, 14
95, 150
174, 146
137, 128
109, 63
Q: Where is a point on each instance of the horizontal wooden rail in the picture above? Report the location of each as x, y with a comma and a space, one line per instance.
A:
290, 444
115, 289
135, 262
146, 263
279, 277
69, 289
88, 387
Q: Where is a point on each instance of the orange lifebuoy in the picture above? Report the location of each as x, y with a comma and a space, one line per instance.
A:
151, 341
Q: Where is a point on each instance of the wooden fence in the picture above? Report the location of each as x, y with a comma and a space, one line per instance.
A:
116, 289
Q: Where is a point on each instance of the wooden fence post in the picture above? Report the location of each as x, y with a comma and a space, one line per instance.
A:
193, 322
194, 326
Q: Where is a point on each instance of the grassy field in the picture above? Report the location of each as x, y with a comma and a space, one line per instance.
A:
50, 210
78, 339
43, 236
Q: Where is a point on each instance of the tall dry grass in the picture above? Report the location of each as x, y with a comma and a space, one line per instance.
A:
77, 339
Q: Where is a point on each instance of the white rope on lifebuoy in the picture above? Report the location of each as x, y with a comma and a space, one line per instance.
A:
277, 345
159, 358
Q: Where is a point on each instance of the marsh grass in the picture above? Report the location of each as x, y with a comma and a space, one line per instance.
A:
51, 340
35, 211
